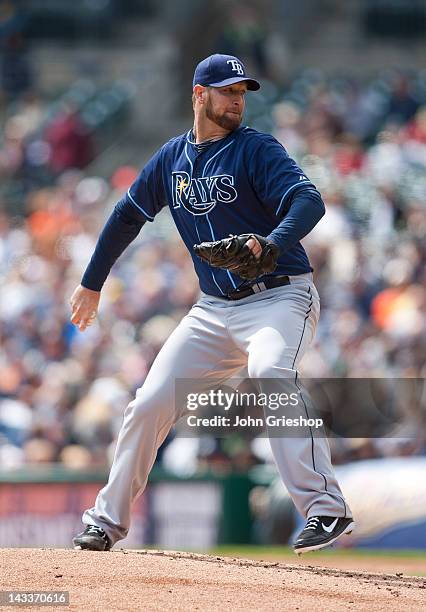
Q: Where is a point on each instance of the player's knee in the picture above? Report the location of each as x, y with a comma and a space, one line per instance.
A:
266, 369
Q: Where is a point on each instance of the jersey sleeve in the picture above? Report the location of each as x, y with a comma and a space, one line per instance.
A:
147, 193
274, 175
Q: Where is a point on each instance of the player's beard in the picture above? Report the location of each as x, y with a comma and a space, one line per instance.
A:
226, 121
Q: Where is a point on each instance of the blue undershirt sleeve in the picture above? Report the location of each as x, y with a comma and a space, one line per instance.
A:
304, 212
121, 228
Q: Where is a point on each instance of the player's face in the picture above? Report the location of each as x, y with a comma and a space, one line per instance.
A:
225, 105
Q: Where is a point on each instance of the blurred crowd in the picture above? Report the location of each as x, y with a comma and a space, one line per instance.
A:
62, 392
365, 149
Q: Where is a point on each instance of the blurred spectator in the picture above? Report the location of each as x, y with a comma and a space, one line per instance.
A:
16, 72
244, 36
75, 457
416, 129
70, 143
39, 450
402, 104
16, 75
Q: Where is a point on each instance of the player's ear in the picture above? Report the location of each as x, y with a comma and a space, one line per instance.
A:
199, 94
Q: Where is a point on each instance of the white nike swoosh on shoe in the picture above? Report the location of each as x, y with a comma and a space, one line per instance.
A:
330, 528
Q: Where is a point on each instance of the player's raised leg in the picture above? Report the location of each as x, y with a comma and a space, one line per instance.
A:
199, 348
290, 316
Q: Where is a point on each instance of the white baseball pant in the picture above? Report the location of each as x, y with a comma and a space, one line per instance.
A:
268, 333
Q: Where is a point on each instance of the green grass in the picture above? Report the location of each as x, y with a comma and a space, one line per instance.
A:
264, 552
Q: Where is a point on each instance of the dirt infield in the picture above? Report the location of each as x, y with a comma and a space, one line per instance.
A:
157, 580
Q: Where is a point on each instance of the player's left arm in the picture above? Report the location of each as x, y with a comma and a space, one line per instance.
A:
285, 190
304, 212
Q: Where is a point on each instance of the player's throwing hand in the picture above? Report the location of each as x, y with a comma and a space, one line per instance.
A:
84, 304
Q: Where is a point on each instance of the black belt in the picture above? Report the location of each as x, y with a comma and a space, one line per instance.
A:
268, 283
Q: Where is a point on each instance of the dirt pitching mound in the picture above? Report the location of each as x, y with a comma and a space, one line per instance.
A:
157, 580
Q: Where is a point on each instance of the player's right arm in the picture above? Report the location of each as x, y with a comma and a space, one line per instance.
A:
122, 227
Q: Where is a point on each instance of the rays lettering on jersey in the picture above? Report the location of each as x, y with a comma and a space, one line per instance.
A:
200, 195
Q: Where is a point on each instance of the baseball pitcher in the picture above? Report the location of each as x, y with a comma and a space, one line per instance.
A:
241, 206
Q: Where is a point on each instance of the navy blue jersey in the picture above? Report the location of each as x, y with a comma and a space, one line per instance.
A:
240, 184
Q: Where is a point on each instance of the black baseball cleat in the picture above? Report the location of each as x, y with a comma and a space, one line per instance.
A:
321, 531
92, 538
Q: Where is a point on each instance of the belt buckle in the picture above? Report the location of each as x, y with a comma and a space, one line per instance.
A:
258, 287
255, 288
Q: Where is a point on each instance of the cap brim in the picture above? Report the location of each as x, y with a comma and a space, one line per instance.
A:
252, 84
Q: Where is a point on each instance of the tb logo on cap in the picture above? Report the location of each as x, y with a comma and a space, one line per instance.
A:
236, 66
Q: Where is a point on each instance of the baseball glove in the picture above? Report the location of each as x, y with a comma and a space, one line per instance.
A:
234, 255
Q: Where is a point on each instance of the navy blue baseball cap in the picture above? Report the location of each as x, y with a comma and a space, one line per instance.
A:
220, 70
